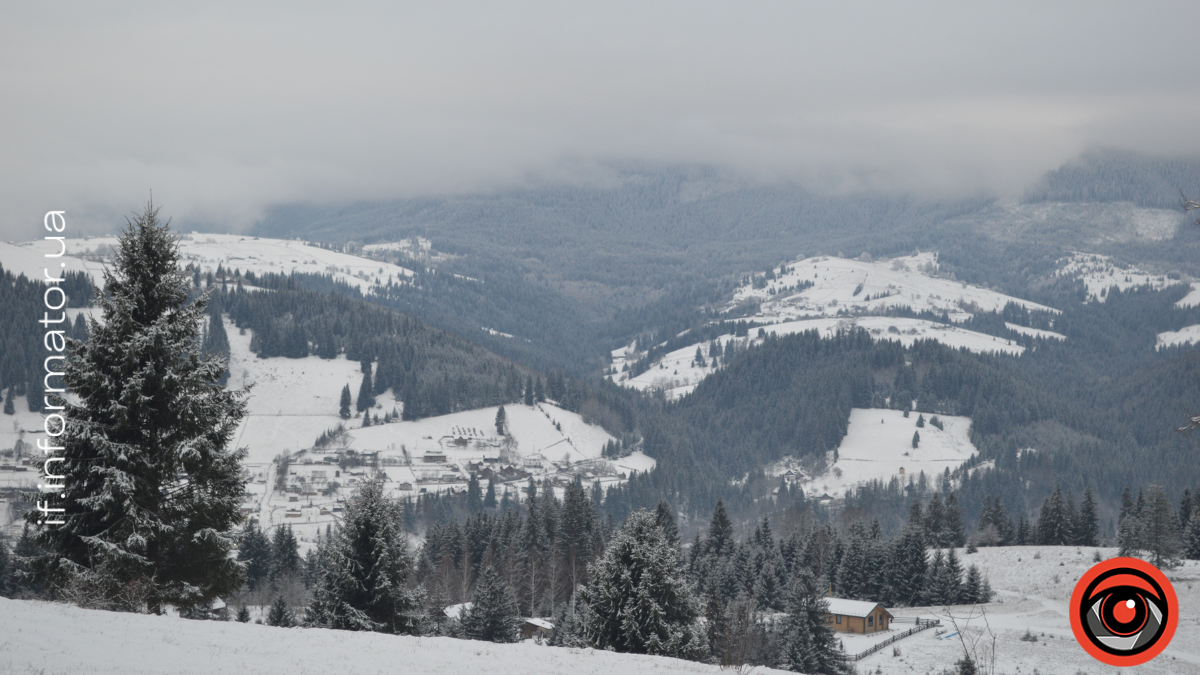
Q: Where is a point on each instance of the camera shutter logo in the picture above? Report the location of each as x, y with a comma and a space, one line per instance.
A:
1124, 612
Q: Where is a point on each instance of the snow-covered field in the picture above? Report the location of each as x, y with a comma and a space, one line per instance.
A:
207, 251
878, 444
1033, 585
1192, 299
1184, 336
38, 638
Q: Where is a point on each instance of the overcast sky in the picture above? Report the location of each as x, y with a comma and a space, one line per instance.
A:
222, 109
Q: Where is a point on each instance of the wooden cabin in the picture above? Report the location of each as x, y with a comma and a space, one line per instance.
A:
857, 616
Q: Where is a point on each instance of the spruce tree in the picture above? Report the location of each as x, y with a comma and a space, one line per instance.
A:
285, 554
972, 587
364, 584
501, 422
153, 489
489, 497
808, 642
254, 552
916, 439
1192, 539
529, 390
366, 390
1160, 529
243, 615
9, 409
1052, 526
493, 615
955, 532
6, 571
638, 599
474, 495
951, 581
1088, 527
664, 517
720, 531
344, 408
280, 614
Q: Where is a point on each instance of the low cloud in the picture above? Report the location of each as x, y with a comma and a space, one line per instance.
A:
224, 109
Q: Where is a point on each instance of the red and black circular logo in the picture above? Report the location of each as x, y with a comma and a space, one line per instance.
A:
1124, 612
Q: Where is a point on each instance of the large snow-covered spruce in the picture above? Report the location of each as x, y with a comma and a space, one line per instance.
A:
366, 569
152, 486
638, 599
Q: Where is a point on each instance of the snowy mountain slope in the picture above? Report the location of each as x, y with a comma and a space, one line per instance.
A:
858, 286
1184, 336
878, 444
1100, 273
677, 373
108, 643
1033, 585
843, 294
208, 251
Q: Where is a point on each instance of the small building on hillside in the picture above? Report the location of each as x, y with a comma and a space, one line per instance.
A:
532, 627
857, 616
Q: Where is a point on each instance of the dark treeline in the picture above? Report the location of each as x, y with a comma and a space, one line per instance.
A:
546, 551
22, 337
1116, 176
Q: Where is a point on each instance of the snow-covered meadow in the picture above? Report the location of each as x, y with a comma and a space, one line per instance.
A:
878, 444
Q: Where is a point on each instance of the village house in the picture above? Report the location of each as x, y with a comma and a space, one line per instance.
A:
857, 616
532, 627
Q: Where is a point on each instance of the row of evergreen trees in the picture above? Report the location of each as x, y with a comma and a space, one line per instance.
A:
1149, 526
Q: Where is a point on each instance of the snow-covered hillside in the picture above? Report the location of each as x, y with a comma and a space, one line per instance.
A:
41, 637
1184, 336
208, 251
677, 373
1033, 585
293, 401
1100, 273
843, 294
878, 446
863, 285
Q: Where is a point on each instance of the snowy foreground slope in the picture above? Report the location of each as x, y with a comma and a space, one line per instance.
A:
1033, 586
39, 637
